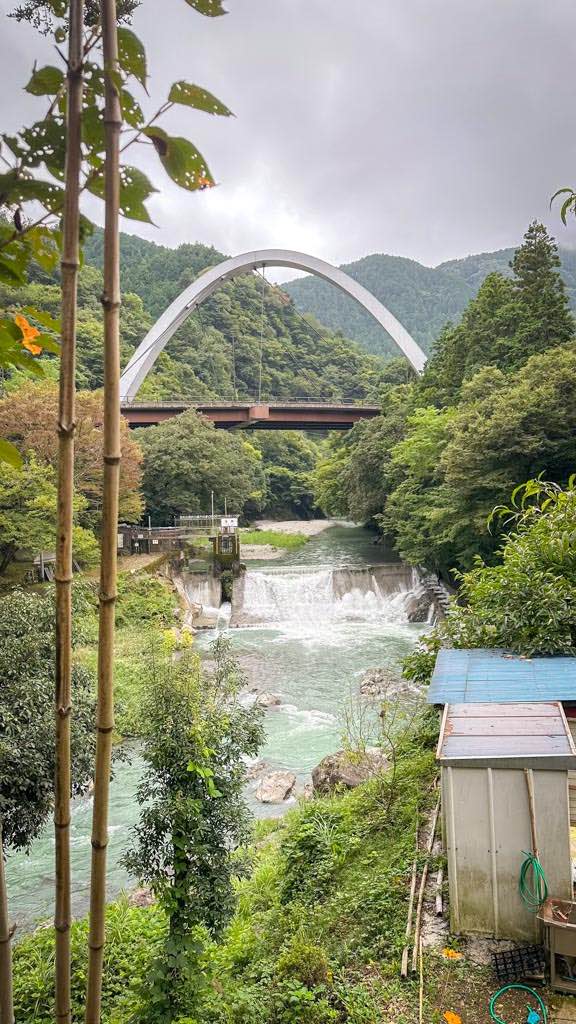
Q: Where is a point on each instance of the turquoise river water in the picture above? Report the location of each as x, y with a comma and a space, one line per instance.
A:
318, 629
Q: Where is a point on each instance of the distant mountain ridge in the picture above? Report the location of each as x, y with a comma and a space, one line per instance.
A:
423, 298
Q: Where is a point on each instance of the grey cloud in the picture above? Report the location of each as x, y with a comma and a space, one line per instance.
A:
425, 129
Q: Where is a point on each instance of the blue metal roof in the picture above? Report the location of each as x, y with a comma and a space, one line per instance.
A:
474, 676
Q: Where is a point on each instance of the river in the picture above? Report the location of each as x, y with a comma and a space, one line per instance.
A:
316, 620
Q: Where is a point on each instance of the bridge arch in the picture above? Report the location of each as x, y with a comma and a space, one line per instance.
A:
206, 283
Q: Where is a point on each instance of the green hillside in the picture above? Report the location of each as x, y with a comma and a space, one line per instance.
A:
423, 298
216, 353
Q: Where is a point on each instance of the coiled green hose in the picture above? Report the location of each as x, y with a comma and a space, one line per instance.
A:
533, 885
524, 988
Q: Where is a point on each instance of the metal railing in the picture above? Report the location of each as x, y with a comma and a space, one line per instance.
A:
241, 403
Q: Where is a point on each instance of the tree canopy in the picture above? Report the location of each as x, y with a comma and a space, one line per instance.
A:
493, 408
186, 460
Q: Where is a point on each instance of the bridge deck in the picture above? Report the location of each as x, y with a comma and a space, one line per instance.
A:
293, 414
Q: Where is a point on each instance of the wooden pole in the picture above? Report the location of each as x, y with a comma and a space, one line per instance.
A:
406, 950
6, 932
108, 568
63, 574
418, 921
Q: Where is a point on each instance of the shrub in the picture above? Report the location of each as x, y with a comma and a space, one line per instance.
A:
134, 936
304, 962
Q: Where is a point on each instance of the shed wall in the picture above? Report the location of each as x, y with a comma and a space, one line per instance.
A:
486, 829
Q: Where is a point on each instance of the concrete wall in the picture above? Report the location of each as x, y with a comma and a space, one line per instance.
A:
486, 830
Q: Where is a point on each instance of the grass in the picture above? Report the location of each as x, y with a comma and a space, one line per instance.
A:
277, 539
317, 933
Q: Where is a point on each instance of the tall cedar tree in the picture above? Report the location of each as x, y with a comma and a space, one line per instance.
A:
547, 320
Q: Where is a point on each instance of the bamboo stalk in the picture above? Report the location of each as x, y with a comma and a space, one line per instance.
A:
421, 987
418, 920
406, 950
108, 567
63, 576
6, 932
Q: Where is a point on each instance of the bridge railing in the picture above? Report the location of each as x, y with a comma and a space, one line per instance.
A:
241, 403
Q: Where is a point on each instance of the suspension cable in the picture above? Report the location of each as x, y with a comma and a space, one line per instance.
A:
261, 333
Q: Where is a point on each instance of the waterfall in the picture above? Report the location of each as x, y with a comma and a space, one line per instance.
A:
321, 596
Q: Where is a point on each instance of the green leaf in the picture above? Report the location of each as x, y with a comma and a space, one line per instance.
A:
46, 81
131, 54
135, 188
10, 454
42, 318
181, 160
16, 189
131, 109
93, 127
45, 246
195, 96
211, 8
48, 343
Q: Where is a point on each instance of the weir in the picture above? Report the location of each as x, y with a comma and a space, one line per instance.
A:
321, 595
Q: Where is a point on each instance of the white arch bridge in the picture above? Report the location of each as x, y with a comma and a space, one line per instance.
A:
207, 282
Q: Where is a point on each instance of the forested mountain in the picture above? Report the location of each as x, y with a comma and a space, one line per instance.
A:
423, 298
220, 349
495, 406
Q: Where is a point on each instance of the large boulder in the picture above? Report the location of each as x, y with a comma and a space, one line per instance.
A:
344, 770
276, 787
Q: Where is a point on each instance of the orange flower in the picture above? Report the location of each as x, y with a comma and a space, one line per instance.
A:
451, 954
452, 1018
28, 334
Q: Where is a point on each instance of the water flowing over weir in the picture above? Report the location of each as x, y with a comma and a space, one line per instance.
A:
308, 596
305, 630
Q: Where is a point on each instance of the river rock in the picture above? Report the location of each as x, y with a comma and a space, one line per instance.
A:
417, 606
276, 787
257, 769
346, 771
385, 684
141, 897
268, 700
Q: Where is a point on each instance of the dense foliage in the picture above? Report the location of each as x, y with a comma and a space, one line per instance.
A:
526, 602
423, 298
28, 417
27, 751
186, 460
319, 923
193, 817
216, 352
493, 408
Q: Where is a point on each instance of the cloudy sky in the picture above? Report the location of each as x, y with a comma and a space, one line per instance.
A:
424, 128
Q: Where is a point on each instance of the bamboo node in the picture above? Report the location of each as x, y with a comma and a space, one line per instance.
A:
64, 927
70, 264
10, 935
112, 460
107, 598
104, 729
62, 824
67, 431
97, 845
63, 579
110, 303
64, 710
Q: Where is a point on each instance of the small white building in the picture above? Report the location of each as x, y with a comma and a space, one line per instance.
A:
491, 755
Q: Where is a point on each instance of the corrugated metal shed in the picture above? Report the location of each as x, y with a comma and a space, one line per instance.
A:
479, 675
491, 755
523, 735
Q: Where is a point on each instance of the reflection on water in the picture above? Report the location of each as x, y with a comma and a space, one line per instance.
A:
318, 639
